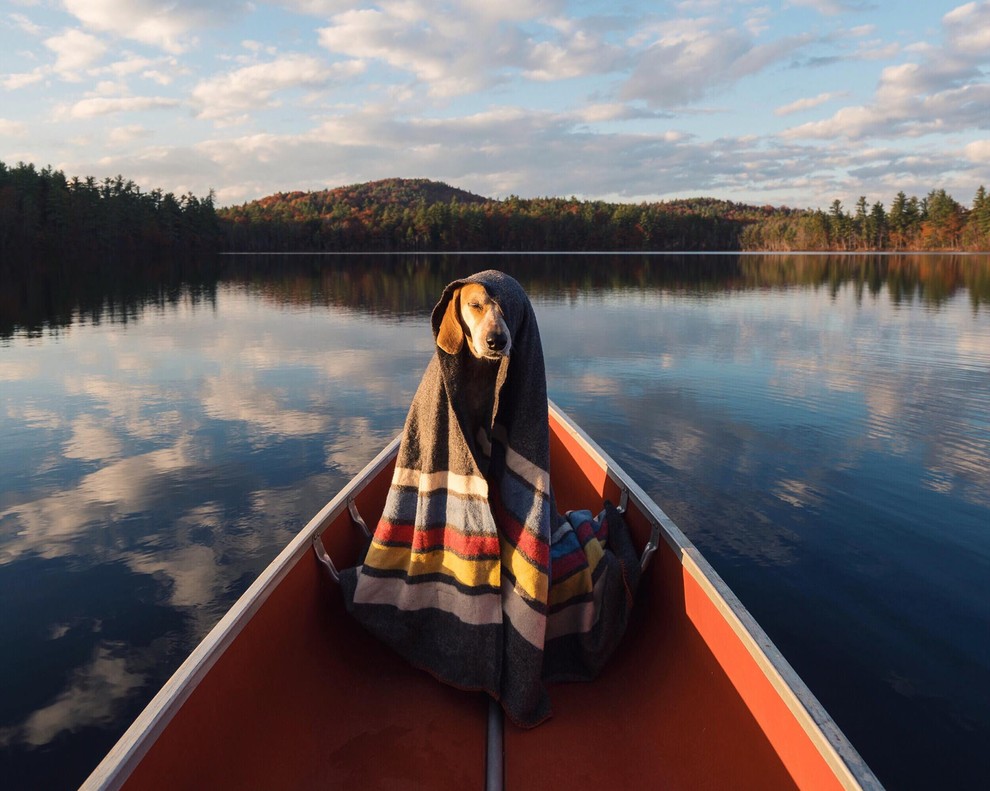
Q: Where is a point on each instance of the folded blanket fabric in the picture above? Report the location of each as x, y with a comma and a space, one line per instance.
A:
471, 573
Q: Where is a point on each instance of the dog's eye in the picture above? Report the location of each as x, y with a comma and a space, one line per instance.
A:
474, 305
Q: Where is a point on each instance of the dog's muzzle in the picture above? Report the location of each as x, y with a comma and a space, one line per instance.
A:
496, 341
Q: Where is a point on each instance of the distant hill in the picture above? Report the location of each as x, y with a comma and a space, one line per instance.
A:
398, 193
413, 193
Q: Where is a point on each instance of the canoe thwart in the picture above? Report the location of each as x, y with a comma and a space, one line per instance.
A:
494, 749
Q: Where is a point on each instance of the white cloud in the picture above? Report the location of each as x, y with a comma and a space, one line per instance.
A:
507, 150
944, 91
579, 53
122, 135
685, 60
805, 104
978, 151
594, 113
902, 108
471, 46
74, 51
131, 64
17, 80
458, 91
253, 87
863, 30
23, 23
968, 29
167, 26
830, 7
316, 7
502, 151
95, 106
161, 70
257, 47
447, 60
12, 129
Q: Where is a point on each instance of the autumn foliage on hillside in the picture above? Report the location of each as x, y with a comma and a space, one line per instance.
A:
421, 215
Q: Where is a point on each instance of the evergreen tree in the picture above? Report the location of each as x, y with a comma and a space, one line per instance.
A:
943, 220
980, 215
862, 232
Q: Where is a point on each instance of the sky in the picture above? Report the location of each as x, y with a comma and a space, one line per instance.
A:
794, 103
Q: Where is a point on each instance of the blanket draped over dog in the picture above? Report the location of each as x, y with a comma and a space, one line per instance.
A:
471, 574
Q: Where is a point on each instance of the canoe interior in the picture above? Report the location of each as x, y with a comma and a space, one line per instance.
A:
682, 704
303, 698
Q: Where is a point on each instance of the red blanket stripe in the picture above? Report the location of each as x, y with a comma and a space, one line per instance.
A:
446, 537
586, 531
565, 565
536, 551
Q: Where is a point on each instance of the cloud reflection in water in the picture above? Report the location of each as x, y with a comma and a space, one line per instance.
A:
186, 448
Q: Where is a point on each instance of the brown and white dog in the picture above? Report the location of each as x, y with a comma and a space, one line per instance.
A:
474, 328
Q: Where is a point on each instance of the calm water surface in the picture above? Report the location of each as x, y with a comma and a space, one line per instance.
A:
819, 427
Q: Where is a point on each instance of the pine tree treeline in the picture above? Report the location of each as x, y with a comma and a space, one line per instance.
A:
936, 222
43, 213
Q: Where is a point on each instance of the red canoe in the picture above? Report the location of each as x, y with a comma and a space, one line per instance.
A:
288, 692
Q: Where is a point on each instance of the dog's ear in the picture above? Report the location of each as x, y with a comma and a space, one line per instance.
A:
450, 336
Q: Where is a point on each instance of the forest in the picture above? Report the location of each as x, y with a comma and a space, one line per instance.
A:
395, 215
415, 215
43, 215
935, 222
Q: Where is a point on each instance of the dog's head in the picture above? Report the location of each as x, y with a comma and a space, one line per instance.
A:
473, 315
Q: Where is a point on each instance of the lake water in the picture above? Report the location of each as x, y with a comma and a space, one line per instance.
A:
819, 426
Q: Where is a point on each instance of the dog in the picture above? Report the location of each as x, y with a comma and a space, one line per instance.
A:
474, 329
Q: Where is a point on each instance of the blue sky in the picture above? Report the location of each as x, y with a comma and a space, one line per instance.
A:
789, 103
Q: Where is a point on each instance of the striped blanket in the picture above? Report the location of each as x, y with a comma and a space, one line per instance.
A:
471, 573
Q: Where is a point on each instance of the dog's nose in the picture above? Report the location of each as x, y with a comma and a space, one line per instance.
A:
496, 341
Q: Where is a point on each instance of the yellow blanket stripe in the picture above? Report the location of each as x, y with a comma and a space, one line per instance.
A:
529, 579
438, 561
580, 582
